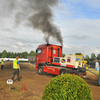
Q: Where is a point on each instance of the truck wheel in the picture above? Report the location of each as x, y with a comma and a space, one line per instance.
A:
62, 72
40, 71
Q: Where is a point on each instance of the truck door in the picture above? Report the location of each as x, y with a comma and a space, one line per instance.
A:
38, 56
41, 56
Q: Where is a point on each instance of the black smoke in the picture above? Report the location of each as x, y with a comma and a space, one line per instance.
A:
37, 14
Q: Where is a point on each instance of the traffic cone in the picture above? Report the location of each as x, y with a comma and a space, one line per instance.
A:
23, 89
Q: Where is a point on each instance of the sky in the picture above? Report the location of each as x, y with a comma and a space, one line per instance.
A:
77, 20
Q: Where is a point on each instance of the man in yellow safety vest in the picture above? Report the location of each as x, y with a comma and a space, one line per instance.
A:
2, 64
16, 68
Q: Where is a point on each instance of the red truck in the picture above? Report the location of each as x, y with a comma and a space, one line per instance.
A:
49, 59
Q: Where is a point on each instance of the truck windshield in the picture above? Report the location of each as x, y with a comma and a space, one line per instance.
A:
38, 51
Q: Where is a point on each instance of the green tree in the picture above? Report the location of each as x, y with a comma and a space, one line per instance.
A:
32, 53
20, 56
26, 53
23, 55
8, 54
87, 58
78, 53
12, 55
98, 56
16, 54
4, 54
0, 55
93, 57
63, 55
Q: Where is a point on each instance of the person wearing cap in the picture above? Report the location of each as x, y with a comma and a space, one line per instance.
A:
16, 68
2, 64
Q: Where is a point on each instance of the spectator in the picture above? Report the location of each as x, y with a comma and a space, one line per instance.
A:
2, 64
16, 68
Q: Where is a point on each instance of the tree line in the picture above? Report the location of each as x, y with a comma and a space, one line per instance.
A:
33, 53
20, 55
13, 55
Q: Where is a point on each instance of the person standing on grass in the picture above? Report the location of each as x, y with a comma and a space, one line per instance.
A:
16, 68
2, 64
96, 64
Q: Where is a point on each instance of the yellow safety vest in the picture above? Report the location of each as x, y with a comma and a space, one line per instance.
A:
15, 66
2, 63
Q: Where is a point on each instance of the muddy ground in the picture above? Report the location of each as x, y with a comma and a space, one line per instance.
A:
34, 83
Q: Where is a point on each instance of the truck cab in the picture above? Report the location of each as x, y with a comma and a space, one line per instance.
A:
45, 54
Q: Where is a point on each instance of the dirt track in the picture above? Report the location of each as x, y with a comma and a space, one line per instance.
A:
35, 83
